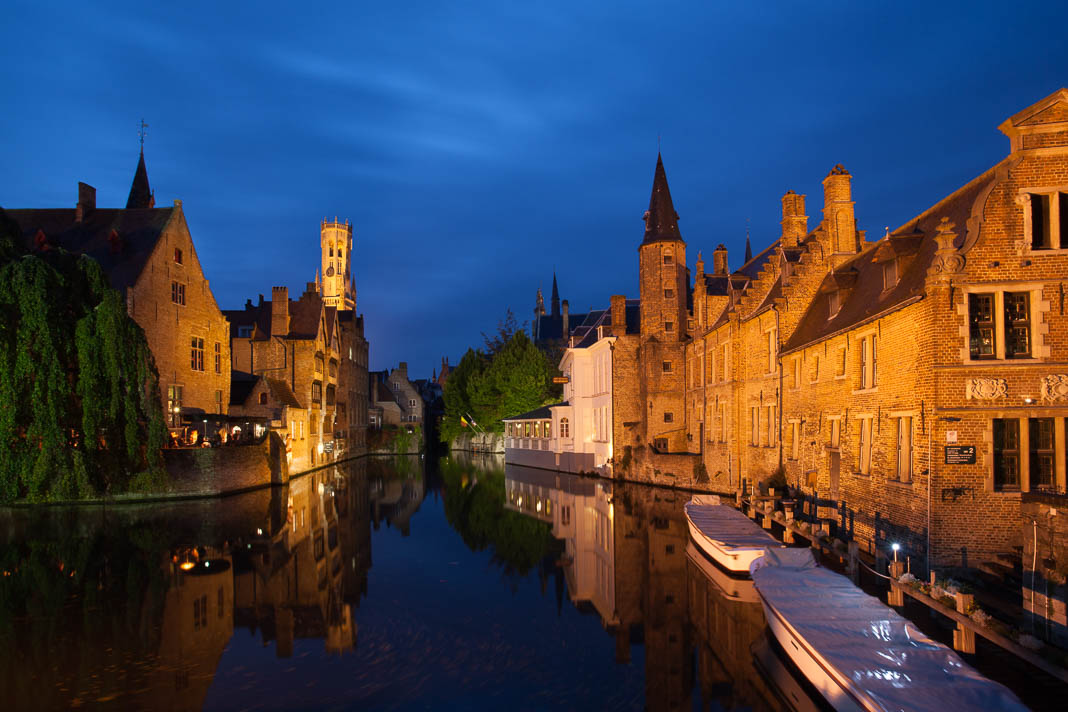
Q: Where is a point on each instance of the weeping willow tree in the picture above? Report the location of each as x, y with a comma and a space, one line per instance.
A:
80, 411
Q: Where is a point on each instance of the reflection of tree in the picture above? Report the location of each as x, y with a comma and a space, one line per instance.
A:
474, 505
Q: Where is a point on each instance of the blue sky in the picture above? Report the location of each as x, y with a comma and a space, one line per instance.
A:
475, 146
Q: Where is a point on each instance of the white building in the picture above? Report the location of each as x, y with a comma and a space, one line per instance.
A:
576, 434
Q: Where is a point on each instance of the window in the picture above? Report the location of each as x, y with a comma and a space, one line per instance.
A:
196, 361
174, 404
797, 373
834, 303
772, 429
263, 398
1006, 454
754, 434
669, 294
1040, 444
904, 448
333, 368
1014, 339
669, 417
660, 444
1017, 325
319, 367
773, 351
668, 259
667, 367
889, 274
565, 428
244, 332
178, 293
669, 326
836, 433
795, 437
411, 402
526, 430
1049, 221
177, 256
218, 401
867, 362
547, 429
218, 357
864, 458
313, 425
317, 392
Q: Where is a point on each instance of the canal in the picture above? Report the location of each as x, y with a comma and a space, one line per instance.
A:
389, 584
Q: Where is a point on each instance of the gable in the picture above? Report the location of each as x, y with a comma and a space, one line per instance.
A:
1052, 114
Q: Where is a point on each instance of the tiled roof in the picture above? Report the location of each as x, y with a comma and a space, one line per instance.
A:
866, 298
282, 393
120, 240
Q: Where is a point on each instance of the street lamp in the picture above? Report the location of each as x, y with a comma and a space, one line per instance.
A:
896, 547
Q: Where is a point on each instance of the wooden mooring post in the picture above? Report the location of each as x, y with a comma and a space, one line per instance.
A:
963, 637
769, 508
788, 517
895, 596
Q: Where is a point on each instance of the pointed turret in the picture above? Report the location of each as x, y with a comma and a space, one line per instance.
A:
555, 298
140, 193
748, 248
661, 220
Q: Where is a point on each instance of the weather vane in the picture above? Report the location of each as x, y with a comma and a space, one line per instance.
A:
141, 133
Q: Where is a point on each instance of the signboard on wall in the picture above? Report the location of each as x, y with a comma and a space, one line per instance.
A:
561, 379
960, 454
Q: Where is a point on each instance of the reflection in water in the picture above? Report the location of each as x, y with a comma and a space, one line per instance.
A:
148, 606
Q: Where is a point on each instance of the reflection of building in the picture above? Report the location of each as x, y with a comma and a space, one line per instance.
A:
394, 499
580, 511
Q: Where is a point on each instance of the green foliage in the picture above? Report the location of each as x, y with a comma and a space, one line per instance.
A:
80, 409
517, 379
474, 505
403, 440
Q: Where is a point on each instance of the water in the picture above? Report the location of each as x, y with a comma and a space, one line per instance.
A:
381, 584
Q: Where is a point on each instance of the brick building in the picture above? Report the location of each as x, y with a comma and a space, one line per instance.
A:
915, 382
316, 349
148, 255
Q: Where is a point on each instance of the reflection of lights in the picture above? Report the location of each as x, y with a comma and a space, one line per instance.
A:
519, 502
186, 565
207, 564
259, 532
538, 505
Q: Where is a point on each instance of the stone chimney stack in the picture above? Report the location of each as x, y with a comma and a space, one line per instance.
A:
86, 201
566, 331
794, 220
838, 216
719, 261
619, 314
279, 311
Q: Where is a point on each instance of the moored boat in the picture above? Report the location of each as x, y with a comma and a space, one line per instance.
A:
858, 653
726, 535
732, 587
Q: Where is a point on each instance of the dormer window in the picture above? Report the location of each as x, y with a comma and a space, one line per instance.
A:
834, 303
1049, 221
889, 274
244, 332
177, 255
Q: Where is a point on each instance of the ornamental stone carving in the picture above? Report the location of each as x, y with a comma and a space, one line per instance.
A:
948, 260
1055, 387
986, 388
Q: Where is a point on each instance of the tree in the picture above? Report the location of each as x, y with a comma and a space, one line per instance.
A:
506, 329
80, 410
455, 394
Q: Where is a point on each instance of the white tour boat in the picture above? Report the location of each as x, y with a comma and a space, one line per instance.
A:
858, 653
726, 535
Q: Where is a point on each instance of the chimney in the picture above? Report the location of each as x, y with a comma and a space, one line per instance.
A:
838, 216
619, 314
700, 264
402, 369
565, 331
248, 304
719, 261
86, 201
279, 311
794, 220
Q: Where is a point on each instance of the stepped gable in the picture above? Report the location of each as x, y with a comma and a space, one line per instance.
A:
867, 299
120, 240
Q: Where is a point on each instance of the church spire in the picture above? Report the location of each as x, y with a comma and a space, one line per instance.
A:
555, 304
661, 220
140, 192
748, 247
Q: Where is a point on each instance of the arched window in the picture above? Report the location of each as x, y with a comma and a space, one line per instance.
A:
565, 432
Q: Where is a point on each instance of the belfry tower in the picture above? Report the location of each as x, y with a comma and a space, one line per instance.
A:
337, 287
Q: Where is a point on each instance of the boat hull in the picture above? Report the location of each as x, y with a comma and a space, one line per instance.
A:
732, 588
735, 560
811, 665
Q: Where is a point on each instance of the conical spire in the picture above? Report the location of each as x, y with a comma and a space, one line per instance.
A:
748, 247
140, 194
555, 304
661, 220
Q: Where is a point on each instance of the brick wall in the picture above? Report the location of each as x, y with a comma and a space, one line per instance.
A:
212, 471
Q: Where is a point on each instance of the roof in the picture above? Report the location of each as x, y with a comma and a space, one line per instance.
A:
661, 220
585, 334
140, 192
120, 240
304, 316
552, 327
282, 393
541, 413
866, 298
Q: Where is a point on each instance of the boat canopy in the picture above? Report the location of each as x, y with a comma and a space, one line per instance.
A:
882, 658
729, 527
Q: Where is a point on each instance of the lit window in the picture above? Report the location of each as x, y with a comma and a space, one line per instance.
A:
174, 404
565, 431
